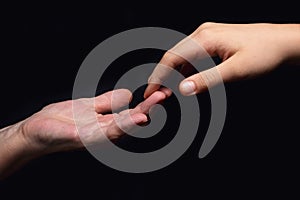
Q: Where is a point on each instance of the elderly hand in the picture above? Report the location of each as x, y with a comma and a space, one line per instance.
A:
54, 129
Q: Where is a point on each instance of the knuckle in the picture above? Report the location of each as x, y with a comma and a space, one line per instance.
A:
206, 34
208, 38
160, 73
210, 78
155, 79
49, 106
168, 58
201, 84
207, 25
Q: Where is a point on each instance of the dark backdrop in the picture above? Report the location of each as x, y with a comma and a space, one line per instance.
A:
42, 47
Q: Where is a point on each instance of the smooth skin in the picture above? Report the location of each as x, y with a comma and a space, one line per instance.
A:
53, 129
247, 51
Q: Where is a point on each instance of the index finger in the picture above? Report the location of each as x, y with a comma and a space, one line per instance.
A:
169, 61
145, 106
186, 51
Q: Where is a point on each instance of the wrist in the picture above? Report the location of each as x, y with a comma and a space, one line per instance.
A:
14, 149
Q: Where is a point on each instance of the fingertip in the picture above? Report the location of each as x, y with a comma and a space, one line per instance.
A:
166, 91
151, 88
187, 88
156, 97
139, 118
112, 100
124, 93
146, 94
122, 97
160, 95
153, 99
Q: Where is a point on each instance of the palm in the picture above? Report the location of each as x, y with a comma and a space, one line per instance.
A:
62, 126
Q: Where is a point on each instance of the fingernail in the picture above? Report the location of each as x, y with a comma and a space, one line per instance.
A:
188, 88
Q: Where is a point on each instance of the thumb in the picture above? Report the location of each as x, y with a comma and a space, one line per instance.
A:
202, 81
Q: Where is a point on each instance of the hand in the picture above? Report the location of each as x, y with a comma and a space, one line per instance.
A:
247, 51
53, 129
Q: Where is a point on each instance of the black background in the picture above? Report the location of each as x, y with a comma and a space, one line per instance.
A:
42, 47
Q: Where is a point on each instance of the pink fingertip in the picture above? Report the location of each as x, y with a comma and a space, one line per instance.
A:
166, 91
139, 118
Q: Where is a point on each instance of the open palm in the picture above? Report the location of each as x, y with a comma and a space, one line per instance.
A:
56, 127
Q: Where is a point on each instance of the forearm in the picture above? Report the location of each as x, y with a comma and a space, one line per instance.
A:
291, 45
14, 151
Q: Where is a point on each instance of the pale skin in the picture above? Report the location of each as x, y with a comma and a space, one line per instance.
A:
53, 129
247, 51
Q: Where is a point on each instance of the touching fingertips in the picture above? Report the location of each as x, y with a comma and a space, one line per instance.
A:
150, 90
187, 88
166, 91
